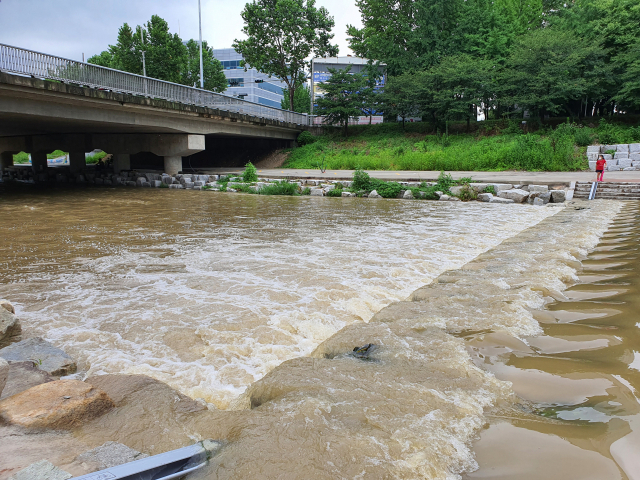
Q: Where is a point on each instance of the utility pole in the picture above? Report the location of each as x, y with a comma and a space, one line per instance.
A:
144, 62
312, 92
200, 25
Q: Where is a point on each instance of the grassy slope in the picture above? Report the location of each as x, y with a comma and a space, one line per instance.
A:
388, 147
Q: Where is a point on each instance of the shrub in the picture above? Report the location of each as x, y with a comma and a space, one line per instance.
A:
582, 137
306, 191
444, 183
361, 180
250, 173
490, 189
336, 192
279, 188
386, 189
21, 158
467, 193
305, 138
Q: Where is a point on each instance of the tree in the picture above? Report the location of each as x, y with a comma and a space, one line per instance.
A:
341, 99
401, 97
548, 69
167, 57
301, 99
282, 35
629, 93
371, 94
214, 78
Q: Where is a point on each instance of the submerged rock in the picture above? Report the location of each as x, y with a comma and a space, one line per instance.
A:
42, 470
10, 328
110, 454
363, 352
500, 200
7, 306
46, 357
62, 404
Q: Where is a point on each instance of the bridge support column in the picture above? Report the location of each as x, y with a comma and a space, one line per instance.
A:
39, 162
77, 162
172, 164
121, 161
6, 160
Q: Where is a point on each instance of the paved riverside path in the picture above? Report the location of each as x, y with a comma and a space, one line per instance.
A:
513, 177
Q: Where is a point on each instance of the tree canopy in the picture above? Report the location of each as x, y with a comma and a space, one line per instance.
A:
281, 37
342, 97
167, 57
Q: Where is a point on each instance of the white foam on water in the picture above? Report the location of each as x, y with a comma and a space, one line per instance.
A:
240, 296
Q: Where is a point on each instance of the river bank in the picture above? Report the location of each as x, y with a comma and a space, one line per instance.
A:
208, 262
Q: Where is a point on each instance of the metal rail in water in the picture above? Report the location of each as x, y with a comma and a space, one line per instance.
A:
594, 189
168, 465
41, 65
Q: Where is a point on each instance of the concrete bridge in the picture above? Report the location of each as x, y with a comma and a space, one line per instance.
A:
49, 103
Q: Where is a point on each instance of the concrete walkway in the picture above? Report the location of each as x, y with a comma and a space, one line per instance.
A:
514, 177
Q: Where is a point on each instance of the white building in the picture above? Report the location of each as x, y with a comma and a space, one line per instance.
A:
243, 84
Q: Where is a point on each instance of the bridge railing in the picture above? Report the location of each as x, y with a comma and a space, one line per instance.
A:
41, 65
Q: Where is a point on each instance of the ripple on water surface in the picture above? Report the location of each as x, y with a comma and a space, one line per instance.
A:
209, 292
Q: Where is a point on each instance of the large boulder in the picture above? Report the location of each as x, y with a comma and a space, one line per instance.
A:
558, 196
634, 148
485, 197
373, 194
317, 192
515, 194
479, 187
538, 188
22, 376
63, 404
10, 328
42, 470
407, 195
498, 187
4, 373
44, 355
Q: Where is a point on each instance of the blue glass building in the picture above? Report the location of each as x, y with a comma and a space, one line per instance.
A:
244, 83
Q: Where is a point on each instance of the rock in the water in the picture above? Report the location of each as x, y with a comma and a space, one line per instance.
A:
485, 197
518, 196
545, 197
538, 202
317, 192
454, 199
558, 196
10, 328
374, 194
444, 197
347, 194
6, 304
407, 195
4, 373
500, 200
538, 188
42, 470
62, 404
111, 454
22, 376
46, 357
498, 187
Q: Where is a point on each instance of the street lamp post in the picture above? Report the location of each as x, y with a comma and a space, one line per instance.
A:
200, 26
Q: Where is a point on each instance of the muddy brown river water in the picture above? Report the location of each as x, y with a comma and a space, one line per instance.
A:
482, 358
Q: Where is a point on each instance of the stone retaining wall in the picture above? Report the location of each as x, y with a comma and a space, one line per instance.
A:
625, 157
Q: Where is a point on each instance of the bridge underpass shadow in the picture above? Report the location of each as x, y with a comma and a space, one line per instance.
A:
220, 152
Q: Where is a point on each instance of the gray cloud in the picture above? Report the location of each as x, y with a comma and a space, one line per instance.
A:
69, 28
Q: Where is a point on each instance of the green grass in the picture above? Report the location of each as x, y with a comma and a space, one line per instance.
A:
388, 147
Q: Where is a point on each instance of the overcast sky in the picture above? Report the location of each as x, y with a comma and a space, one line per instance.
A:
68, 28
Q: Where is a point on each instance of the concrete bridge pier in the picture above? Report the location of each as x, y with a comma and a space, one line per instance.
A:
77, 161
172, 164
39, 162
6, 160
121, 161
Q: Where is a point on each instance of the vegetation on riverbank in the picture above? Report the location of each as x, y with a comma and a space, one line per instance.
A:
495, 146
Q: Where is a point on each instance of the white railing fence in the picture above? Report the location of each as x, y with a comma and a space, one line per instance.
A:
41, 65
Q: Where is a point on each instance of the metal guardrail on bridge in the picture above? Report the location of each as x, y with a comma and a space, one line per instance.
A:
41, 65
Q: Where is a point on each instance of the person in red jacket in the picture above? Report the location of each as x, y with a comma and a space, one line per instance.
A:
601, 164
